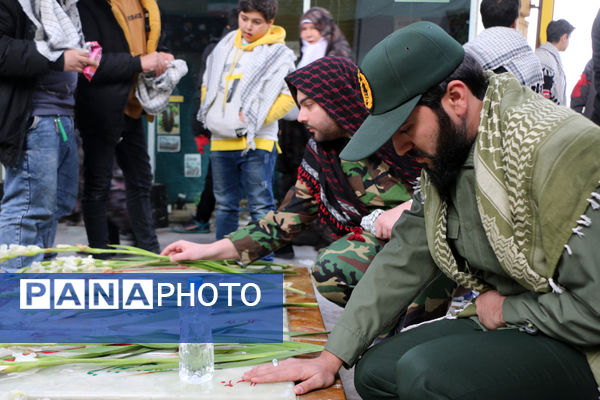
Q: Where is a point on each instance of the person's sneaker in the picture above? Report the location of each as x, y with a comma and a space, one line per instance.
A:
194, 227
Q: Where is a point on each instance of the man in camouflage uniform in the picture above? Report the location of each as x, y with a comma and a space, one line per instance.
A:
360, 201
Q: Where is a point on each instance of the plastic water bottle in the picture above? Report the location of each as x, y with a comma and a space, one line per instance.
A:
196, 362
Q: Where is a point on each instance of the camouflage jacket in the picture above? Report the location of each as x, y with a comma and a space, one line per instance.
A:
373, 184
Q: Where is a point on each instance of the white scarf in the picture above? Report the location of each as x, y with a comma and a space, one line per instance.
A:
312, 52
58, 27
153, 93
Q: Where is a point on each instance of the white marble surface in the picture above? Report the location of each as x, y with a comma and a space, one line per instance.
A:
304, 256
85, 382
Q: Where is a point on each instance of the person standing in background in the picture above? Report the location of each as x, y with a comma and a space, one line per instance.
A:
555, 80
40, 55
320, 36
108, 114
584, 92
501, 48
243, 96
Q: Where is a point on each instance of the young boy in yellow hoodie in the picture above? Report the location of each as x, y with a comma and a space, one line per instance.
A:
243, 96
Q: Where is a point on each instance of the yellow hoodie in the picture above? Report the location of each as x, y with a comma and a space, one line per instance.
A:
223, 118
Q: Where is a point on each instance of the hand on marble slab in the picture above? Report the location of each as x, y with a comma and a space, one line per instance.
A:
182, 250
314, 373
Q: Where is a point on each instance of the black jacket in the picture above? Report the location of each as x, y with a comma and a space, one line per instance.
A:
20, 65
100, 104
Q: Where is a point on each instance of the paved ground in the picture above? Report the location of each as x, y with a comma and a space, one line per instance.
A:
304, 256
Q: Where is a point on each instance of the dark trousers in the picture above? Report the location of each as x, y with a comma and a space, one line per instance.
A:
132, 157
206, 205
292, 140
455, 359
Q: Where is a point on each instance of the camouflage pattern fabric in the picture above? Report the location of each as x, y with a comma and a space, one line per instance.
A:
372, 183
340, 266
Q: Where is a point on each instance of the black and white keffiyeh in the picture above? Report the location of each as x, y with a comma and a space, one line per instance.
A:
505, 47
154, 92
57, 26
261, 85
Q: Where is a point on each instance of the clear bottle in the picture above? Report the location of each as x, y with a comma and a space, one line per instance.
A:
196, 362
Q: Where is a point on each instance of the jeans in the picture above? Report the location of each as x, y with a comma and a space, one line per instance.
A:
234, 174
40, 189
132, 157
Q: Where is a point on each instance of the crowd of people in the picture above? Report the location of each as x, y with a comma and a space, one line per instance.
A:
466, 180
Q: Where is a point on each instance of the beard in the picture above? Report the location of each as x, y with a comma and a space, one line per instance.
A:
452, 149
326, 132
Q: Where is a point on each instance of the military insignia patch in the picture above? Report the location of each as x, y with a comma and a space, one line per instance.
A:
365, 89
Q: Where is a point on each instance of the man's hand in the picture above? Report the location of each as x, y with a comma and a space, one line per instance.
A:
77, 60
156, 62
489, 309
385, 222
168, 57
183, 250
314, 373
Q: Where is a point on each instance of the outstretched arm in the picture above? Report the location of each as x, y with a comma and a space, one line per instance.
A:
183, 250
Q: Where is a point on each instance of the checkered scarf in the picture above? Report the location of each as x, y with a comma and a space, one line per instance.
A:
153, 92
505, 47
261, 85
332, 82
57, 26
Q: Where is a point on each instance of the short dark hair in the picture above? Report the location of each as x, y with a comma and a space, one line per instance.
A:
556, 29
499, 12
469, 71
268, 8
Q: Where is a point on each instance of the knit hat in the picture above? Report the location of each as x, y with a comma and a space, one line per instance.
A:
326, 81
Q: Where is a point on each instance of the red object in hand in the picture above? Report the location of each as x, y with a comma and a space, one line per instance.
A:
95, 51
201, 141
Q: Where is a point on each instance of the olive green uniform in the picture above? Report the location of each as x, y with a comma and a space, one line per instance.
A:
405, 266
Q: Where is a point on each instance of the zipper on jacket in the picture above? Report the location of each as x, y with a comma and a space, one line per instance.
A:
236, 58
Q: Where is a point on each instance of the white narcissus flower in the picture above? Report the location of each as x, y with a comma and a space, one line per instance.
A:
70, 264
35, 267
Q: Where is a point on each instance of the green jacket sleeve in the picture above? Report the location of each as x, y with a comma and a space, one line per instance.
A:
573, 315
395, 277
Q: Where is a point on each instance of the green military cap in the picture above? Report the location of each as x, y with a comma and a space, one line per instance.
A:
394, 75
